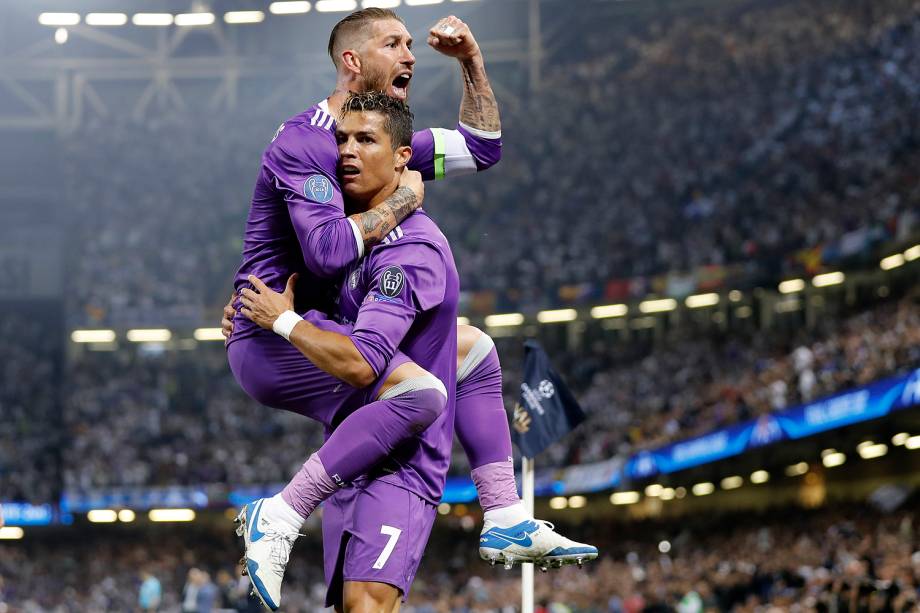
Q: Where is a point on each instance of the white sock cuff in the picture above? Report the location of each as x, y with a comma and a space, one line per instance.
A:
476, 355
277, 507
424, 382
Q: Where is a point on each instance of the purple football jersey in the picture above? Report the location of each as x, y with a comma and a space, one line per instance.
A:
404, 294
297, 220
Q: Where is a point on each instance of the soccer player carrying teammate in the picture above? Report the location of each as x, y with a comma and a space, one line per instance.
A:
406, 291
297, 224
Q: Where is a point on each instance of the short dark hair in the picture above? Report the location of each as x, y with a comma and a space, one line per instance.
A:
397, 118
357, 21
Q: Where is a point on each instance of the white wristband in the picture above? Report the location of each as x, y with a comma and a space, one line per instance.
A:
285, 323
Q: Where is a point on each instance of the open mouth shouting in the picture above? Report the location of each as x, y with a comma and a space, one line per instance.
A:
399, 87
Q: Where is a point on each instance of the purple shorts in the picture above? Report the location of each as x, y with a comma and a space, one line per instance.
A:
375, 531
273, 372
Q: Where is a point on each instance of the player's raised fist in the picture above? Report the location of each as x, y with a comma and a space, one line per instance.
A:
453, 38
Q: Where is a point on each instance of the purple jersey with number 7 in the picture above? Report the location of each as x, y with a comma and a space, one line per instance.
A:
297, 220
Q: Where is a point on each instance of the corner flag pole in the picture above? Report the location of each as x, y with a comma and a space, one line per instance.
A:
546, 412
527, 569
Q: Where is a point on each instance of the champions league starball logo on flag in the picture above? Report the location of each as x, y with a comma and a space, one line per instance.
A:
318, 188
546, 389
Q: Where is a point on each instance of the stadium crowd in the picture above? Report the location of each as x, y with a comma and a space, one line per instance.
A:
189, 423
724, 137
686, 387
853, 558
732, 135
718, 137
30, 436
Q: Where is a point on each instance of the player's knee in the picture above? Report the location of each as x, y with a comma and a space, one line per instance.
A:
423, 398
466, 338
477, 348
431, 402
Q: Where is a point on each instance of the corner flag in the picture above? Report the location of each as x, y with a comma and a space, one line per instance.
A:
547, 410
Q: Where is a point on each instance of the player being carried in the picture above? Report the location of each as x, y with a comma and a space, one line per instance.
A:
297, 224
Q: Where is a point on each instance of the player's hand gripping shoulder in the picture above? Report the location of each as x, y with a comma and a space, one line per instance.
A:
264, 305
376, 223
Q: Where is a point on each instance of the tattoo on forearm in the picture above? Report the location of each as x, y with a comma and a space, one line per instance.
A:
479, 109
376, 222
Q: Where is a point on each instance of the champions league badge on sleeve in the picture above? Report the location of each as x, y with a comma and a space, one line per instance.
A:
318, 188
392, 281
391, 285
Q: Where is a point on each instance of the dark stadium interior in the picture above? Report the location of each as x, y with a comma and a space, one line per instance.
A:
652, 150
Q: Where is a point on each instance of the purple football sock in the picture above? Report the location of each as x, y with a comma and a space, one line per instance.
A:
495, 485
482, 426
309, 487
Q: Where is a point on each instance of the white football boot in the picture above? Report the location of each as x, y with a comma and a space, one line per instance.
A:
533, 541
268, 549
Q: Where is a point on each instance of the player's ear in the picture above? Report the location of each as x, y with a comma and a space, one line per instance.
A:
351, 61
401, 156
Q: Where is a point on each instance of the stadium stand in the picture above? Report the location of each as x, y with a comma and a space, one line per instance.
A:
825, 560
744, 144
749, 141
30, 433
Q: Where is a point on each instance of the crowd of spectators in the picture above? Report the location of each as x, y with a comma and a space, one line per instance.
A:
30, 409
852, 558
731, 135
638, 399
174, 418
153, 418
726, 136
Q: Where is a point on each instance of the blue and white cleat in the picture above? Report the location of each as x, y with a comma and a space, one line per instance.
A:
534, 541
268, 549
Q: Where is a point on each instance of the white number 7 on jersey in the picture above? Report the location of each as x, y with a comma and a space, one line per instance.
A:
393, 533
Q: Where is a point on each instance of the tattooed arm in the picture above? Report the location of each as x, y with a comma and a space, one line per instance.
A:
478, 109
476, 144
373, 225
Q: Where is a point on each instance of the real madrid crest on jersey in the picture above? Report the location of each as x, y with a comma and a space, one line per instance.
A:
318, 189
392, 281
